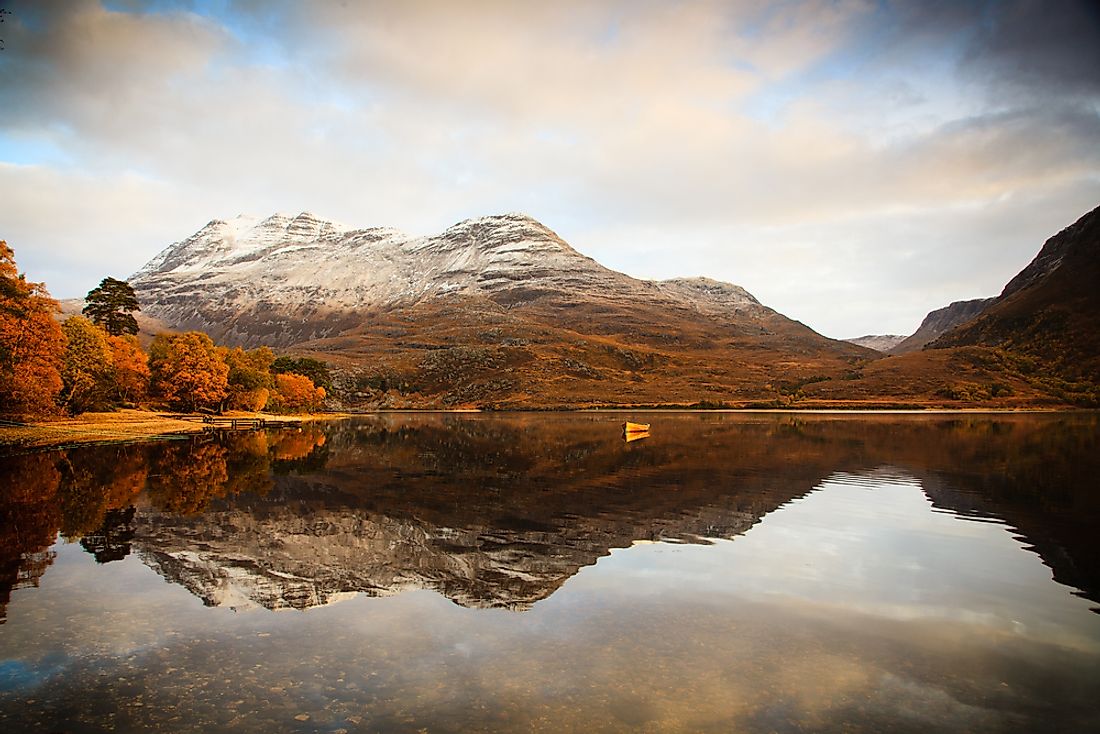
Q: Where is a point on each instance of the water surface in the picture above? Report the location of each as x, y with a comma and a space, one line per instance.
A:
749, 572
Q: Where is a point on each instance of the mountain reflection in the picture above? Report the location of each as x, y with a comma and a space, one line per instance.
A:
500, 511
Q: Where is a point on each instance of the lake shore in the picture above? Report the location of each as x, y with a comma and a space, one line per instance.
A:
134, 424
124, 425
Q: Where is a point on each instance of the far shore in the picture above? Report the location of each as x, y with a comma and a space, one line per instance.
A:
139, 425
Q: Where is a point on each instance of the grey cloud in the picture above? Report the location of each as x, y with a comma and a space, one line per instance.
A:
1039, 47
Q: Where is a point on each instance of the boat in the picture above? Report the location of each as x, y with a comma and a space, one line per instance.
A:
635, 436
629, 427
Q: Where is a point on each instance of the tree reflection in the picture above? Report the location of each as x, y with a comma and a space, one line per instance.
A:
88, 494
112, 541
95, 481
300, 450
29, 518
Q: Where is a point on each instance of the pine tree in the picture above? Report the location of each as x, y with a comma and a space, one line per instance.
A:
110, 304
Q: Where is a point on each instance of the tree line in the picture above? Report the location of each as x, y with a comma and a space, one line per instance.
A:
95, 362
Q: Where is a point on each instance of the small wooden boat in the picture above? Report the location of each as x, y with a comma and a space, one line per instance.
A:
635, 436
629, 427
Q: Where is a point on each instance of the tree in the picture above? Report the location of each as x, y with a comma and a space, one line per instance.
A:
31, 343
296, 393
187, 371
87, 366
314, 369
250, 380
130, 376
110, 304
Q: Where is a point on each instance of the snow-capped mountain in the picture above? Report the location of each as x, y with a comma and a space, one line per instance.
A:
219, 276
497, 311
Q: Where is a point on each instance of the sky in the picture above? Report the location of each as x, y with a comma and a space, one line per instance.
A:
853, 163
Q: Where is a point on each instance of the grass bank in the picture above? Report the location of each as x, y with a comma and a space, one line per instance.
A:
120, 425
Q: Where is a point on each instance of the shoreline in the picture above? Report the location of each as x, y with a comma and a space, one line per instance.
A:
124, 425
141, 425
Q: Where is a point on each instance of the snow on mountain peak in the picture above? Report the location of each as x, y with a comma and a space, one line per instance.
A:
305, 262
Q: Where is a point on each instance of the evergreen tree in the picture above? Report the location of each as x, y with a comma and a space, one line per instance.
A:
110, 304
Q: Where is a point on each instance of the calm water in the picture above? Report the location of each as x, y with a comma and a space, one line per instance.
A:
731, 572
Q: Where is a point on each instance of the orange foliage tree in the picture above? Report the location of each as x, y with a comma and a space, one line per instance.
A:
187, 371
296, 394
31, 343
130, 375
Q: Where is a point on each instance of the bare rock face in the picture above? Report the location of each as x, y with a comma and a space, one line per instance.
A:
939, 322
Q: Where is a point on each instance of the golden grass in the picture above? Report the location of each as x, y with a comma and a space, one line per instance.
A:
120, 425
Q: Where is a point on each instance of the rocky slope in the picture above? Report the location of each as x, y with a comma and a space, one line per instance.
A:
493, 311
939, 322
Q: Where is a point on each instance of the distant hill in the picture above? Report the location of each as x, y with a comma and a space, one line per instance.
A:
878, 342
1050, 312
939, 322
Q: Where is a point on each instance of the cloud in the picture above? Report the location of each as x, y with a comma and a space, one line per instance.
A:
770, 142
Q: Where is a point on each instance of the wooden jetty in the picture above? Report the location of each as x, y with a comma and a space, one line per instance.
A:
226, 421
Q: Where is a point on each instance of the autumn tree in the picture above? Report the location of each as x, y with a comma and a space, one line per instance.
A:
31, 343
187, 371
296, 394
110, 305
314, 369
130, 369
87, 366
250, 380
189, 478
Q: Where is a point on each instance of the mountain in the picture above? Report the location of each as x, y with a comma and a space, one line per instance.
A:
939, 322
1049, 314
1035, 345
878, 342
493, 311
